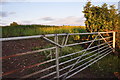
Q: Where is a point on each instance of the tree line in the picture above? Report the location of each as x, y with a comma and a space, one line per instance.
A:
100, 18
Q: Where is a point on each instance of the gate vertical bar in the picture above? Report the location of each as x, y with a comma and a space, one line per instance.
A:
57, 57
113, 41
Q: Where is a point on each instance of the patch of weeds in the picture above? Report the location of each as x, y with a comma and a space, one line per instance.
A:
106, 66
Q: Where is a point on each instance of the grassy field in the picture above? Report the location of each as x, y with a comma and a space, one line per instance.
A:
28, 30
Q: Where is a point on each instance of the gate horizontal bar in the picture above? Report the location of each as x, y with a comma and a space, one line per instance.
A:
29, 75
84, 42
26, 53
48, 35
30, 66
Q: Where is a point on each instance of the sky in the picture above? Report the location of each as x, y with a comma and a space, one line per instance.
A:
46, 12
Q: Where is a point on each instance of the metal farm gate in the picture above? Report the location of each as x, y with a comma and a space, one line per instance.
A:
64, 66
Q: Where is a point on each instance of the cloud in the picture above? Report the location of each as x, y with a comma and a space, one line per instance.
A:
47, 19
3, 14
3, 23
26, 21
4, 1
70, 20
59, 0
6, 14
12, 13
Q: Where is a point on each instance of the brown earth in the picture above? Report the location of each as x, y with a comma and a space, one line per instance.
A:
20, 46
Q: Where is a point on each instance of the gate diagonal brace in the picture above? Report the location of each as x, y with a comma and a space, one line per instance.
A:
105, 40
64, 78
52, 42
65, 40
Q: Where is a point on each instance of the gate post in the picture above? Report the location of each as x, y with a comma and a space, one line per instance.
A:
113, 41
57, 57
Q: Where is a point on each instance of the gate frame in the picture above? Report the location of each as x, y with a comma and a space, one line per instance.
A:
64, 44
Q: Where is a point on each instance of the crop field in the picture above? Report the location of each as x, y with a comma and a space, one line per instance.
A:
29, 30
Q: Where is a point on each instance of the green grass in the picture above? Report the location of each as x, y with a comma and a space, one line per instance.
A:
106, 66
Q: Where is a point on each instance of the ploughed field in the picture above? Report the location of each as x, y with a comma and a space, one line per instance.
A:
105, 68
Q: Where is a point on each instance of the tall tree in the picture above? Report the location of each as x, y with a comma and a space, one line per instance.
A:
100, 18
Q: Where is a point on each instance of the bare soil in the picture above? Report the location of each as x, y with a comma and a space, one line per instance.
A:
20, 46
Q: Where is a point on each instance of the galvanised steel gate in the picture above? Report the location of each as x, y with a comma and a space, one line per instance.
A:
60, 65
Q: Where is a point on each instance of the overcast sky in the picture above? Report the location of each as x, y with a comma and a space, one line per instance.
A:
50, 12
